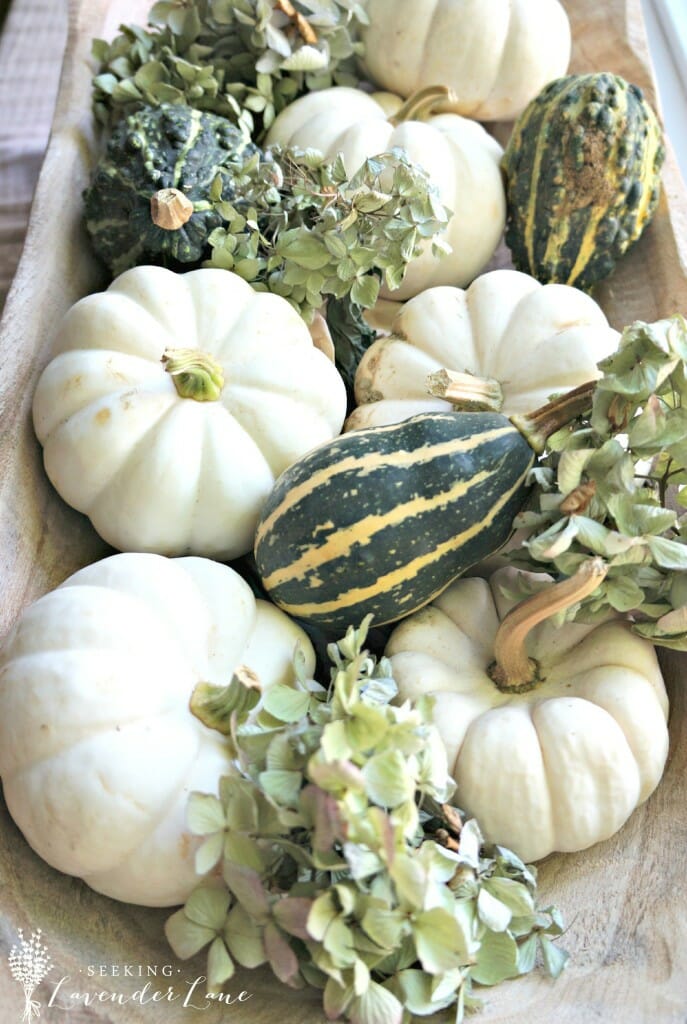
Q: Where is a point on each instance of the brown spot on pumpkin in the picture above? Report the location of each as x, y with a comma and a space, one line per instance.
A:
102, 416
589, 184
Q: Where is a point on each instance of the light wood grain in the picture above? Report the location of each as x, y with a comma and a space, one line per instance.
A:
625, 900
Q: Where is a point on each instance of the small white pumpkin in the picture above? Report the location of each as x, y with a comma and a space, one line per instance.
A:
563, 764
98, 748
461, 159
520, 342
495, 54
127, 443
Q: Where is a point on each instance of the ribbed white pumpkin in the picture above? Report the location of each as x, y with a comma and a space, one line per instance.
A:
98, 748
557, 768
534, 340
461, 159
495, 54
158, 472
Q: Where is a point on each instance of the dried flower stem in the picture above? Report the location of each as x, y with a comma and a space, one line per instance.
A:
306, 30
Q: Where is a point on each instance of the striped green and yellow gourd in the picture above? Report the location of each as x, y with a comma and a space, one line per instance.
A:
582, 175
381, 520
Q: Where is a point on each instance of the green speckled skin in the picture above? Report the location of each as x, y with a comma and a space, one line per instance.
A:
170, 146
380, 520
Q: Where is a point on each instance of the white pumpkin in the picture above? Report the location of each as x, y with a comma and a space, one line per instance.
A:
98, 748
154, 469
495, 54
534, 340
562, 765
461, 159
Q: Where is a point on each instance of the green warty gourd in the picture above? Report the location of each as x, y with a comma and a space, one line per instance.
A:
582, 173
149, 199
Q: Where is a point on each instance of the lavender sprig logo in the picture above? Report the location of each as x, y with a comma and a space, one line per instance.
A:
29, 963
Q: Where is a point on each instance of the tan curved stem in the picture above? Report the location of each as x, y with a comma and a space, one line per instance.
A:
512, 669
423, 103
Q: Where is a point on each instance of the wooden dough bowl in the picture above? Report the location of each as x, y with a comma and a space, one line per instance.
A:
625, 900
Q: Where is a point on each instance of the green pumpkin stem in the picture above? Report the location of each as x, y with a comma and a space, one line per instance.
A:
466, 391
433, 99
512, 670
538, 426
218, 707
195, 374
170, 209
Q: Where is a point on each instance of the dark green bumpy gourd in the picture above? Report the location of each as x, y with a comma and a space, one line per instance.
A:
582, 178
170, 147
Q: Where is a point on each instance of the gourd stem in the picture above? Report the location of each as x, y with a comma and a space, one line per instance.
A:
512, 669
170, 209
195, 374
466, 391
424, 103
538, 426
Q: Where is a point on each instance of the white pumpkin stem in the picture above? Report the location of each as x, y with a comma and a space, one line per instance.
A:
513, 670
195, 374
218, 707
170, 209
433, 99
466, 391
538, 426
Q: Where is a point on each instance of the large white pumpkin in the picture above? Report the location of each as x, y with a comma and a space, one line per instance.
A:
534, 340
495, 54
98, 748
461, 159
562, 765
159, 472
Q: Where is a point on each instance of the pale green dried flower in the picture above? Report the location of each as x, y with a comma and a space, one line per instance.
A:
307, 232
614, 484
344, 867
244, 59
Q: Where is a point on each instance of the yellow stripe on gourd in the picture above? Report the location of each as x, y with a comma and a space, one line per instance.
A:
373, 460
587, 246
404, 574
364, 530
540, 149
194, 132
